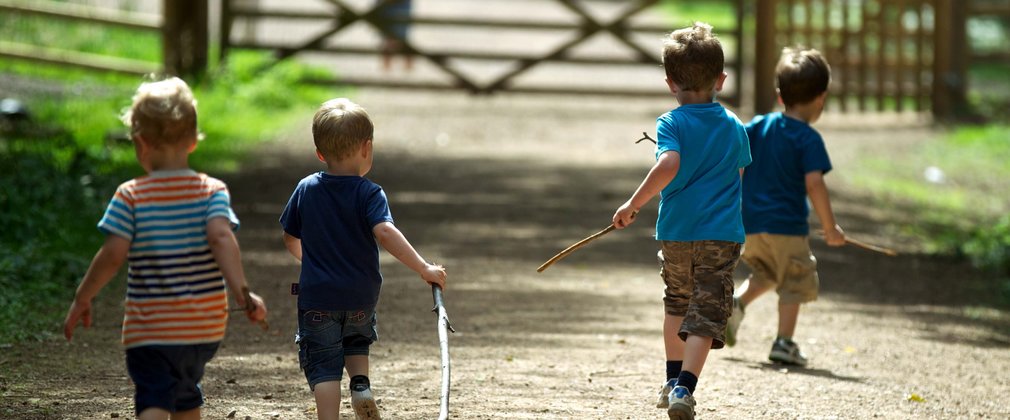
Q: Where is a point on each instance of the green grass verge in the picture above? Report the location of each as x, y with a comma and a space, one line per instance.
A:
56, 175
964, 210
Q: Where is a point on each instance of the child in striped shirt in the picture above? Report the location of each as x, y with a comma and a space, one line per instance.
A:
174, 227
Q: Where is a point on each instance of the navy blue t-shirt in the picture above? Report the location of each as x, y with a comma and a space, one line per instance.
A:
334, 216
774, 185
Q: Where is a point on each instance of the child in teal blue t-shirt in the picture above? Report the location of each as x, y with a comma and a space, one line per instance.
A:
700, 155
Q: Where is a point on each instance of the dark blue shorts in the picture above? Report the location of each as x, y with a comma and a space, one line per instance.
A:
168, 377
325, 337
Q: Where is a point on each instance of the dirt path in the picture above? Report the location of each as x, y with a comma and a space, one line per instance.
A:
491, 188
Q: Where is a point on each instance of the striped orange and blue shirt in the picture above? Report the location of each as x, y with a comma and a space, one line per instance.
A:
175, 292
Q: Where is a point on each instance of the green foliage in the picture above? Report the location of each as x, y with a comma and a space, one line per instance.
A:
93, 38
46, 190
965, 213
720, 14
57, 174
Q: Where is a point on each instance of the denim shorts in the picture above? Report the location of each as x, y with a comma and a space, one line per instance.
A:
168, 377
325, 337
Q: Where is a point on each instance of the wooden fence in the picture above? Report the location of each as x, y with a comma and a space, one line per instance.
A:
885, 55
15, 14
341, 15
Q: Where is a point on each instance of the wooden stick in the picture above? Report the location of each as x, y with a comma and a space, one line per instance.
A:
886, 251
575, 246
870, 247
444, 327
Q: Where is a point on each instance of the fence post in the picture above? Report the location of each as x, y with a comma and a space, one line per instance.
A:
950, 59
185, 37
765, 58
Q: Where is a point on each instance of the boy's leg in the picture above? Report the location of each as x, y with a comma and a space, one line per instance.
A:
788, 315
674, 345
154, 413
193, 414
327, 396
799, 285
675, 262
359, 333
356, 365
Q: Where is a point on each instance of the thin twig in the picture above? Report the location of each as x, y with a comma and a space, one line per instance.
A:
646, 137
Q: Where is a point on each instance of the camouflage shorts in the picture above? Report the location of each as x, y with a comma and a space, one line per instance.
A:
699, 286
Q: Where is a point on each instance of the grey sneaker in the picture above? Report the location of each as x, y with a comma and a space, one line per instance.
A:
664, 394
681, 404
787, 352
363, 403
733, 323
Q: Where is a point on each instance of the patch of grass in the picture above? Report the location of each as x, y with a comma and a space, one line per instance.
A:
78, 36
57, 174
957, 185
720, 14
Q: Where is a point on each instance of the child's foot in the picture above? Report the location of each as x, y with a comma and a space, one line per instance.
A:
788, 352
664, 393
361, 399
681, 404
733, 323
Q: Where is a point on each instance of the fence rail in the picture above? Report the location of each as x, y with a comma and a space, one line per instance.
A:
582, 25
75, 13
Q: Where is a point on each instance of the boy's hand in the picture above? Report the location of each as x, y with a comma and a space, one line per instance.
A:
79, 310
434, 274
256, 308
834, 236
624, 216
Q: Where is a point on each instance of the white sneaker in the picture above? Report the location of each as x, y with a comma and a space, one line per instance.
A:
733, 323
681, 404
788, 352
664, 394
363, 403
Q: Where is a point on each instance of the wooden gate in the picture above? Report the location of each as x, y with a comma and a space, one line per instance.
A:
342, 15
885, 55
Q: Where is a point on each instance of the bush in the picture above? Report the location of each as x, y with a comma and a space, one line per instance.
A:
57, 176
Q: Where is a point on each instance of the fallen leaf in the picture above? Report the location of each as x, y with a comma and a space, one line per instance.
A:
916, 398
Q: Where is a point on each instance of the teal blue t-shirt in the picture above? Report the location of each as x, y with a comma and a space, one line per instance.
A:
703, 201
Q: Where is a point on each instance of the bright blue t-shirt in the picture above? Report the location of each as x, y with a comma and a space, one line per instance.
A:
334, 216
774, 187
703, 201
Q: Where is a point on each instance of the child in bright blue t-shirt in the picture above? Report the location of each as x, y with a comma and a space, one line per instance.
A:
333, 223
790, 161
701, 151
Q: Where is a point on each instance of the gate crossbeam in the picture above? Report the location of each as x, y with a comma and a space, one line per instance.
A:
590, 26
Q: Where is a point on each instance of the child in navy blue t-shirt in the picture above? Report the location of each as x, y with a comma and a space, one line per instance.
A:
790, 161
332, 223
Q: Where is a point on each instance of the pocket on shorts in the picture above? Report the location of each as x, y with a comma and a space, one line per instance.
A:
801, 267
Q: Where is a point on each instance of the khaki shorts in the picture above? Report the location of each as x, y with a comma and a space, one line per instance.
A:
699, 286
785, 263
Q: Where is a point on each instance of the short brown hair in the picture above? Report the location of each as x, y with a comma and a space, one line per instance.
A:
802, 74
693, 58
163, 112
340, 127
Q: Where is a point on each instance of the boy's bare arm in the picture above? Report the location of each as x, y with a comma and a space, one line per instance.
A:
294, 245
104, 266
396, 244
819, 197
226, 252
664, 171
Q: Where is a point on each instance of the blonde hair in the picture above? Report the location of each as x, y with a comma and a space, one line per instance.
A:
693, 57
163, 112
340, 127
